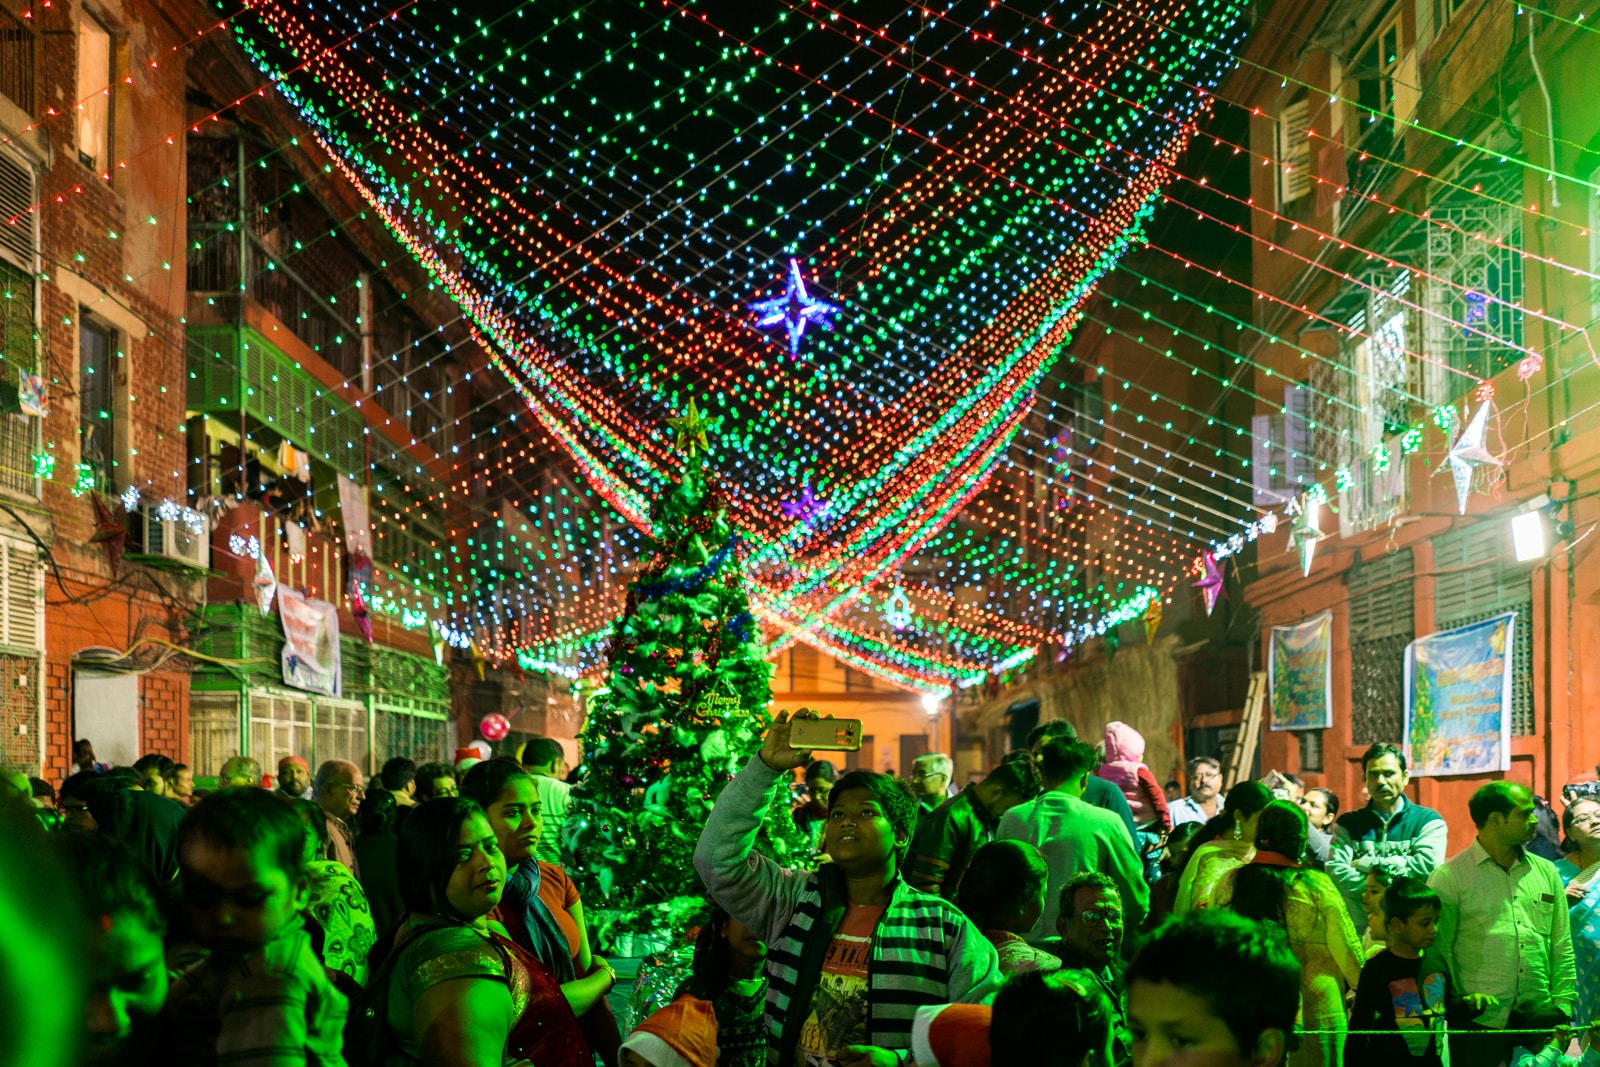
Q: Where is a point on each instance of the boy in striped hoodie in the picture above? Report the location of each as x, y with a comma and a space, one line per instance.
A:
853, 949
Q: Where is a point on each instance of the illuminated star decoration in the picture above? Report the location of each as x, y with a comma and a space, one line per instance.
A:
808, 509
691, 428
1304, 535
1152, 620
1469, 453
794, 309
1210, 583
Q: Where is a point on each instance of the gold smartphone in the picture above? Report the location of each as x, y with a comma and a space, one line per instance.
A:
835, 735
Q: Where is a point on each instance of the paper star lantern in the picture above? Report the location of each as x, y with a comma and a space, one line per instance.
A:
691, 427
897, 609
266, 583
1152, 621
1304, 535
808, 509
109, 533
794, 310
1211, 583
1469, 453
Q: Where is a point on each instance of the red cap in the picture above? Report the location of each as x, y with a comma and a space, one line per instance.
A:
682, 1034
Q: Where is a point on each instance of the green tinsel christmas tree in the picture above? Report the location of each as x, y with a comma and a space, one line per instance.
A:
685, 704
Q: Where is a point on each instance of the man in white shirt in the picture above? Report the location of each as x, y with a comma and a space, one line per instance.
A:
544, 758
1504, 938
1203, 801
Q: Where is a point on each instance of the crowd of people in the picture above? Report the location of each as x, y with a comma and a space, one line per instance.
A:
1063, 910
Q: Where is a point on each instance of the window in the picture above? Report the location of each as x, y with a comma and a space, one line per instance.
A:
1281, 449
1475, 322
1294, 151
19, 346
1381, 625
1376, 67
1594, 244
95, 80
19, 53
1478, 578
97, 355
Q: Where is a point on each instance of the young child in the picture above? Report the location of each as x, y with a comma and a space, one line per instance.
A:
260, 997
682, 1034
1124, 768
728, 972
1392, 994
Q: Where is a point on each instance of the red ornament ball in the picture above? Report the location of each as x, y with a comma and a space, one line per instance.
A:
494, 726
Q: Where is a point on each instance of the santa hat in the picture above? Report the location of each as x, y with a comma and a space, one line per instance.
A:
951, 1035
466, 759
285, 761
682, 1034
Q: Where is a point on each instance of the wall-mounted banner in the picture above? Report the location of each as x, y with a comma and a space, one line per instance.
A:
1300, 674
353, 516
310, 642
1458, 699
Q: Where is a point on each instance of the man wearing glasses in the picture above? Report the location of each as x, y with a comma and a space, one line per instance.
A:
1091, 927
1205, 798
338, 790
930, 780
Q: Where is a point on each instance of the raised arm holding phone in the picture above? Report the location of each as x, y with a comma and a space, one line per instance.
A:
832, 931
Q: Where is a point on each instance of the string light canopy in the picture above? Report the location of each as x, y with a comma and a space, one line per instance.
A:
609, 195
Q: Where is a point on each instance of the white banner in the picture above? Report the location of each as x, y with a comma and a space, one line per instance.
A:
310, 642
353, 513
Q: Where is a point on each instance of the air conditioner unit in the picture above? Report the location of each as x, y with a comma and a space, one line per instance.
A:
178, 534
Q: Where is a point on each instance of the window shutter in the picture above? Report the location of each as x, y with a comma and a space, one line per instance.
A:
1266, 451
1294, 151
1299, 436
22, 604
17, 230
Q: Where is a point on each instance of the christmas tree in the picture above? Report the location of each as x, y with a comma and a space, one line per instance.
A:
685, 703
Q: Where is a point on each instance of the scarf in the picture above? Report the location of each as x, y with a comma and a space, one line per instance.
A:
1268, 858
545, 938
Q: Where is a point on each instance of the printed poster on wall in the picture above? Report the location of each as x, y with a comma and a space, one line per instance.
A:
1300, 675
353, 515
1458, 699
310, 642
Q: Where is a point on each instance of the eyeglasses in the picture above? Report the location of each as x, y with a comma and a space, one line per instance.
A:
1208, 776
1101, 916
917, 776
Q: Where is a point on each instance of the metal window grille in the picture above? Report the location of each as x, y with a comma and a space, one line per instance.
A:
1310, 749
280, 725
19, 56
341, 731
1381, 624
213, 730
400, 732
1475, 322
1479, 579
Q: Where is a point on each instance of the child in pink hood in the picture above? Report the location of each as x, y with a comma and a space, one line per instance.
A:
1124, 767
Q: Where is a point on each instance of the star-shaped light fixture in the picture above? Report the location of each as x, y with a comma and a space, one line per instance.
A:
897, 609
1469, 453
1210, 583
691, 428
1304, 535
808, 509
794, 309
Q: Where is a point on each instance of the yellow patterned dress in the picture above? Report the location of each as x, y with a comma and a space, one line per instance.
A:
1206, 867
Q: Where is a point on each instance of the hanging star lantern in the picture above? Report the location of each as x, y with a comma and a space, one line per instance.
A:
794, 310
109, 533
1469, 453
897, 609
266, 583
691, 428
1152, 621
1304, 535
1211, 583
808, 509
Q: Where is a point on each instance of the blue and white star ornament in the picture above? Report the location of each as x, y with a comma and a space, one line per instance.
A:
1304, 535
794, 310
1470, 453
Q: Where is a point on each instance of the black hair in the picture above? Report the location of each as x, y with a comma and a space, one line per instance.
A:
397, 774
80, 744
542, 751
1260, 890
251, 819
1243, 970
428, 853
1196, 761
1048, 1020
1180, 842
1493, 798
41, 788
377, 814
713, 965
429, 773
1246, 798
1408, 895
157, 762
1567, 844
79, 785
1000, 876
484, 782
1017, 773
1062, 760
821, 768
1051, 730
1380, 750
110, 879
1095, 880
894, 796
316, 823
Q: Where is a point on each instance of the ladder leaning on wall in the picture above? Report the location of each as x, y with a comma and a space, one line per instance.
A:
1242, 754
